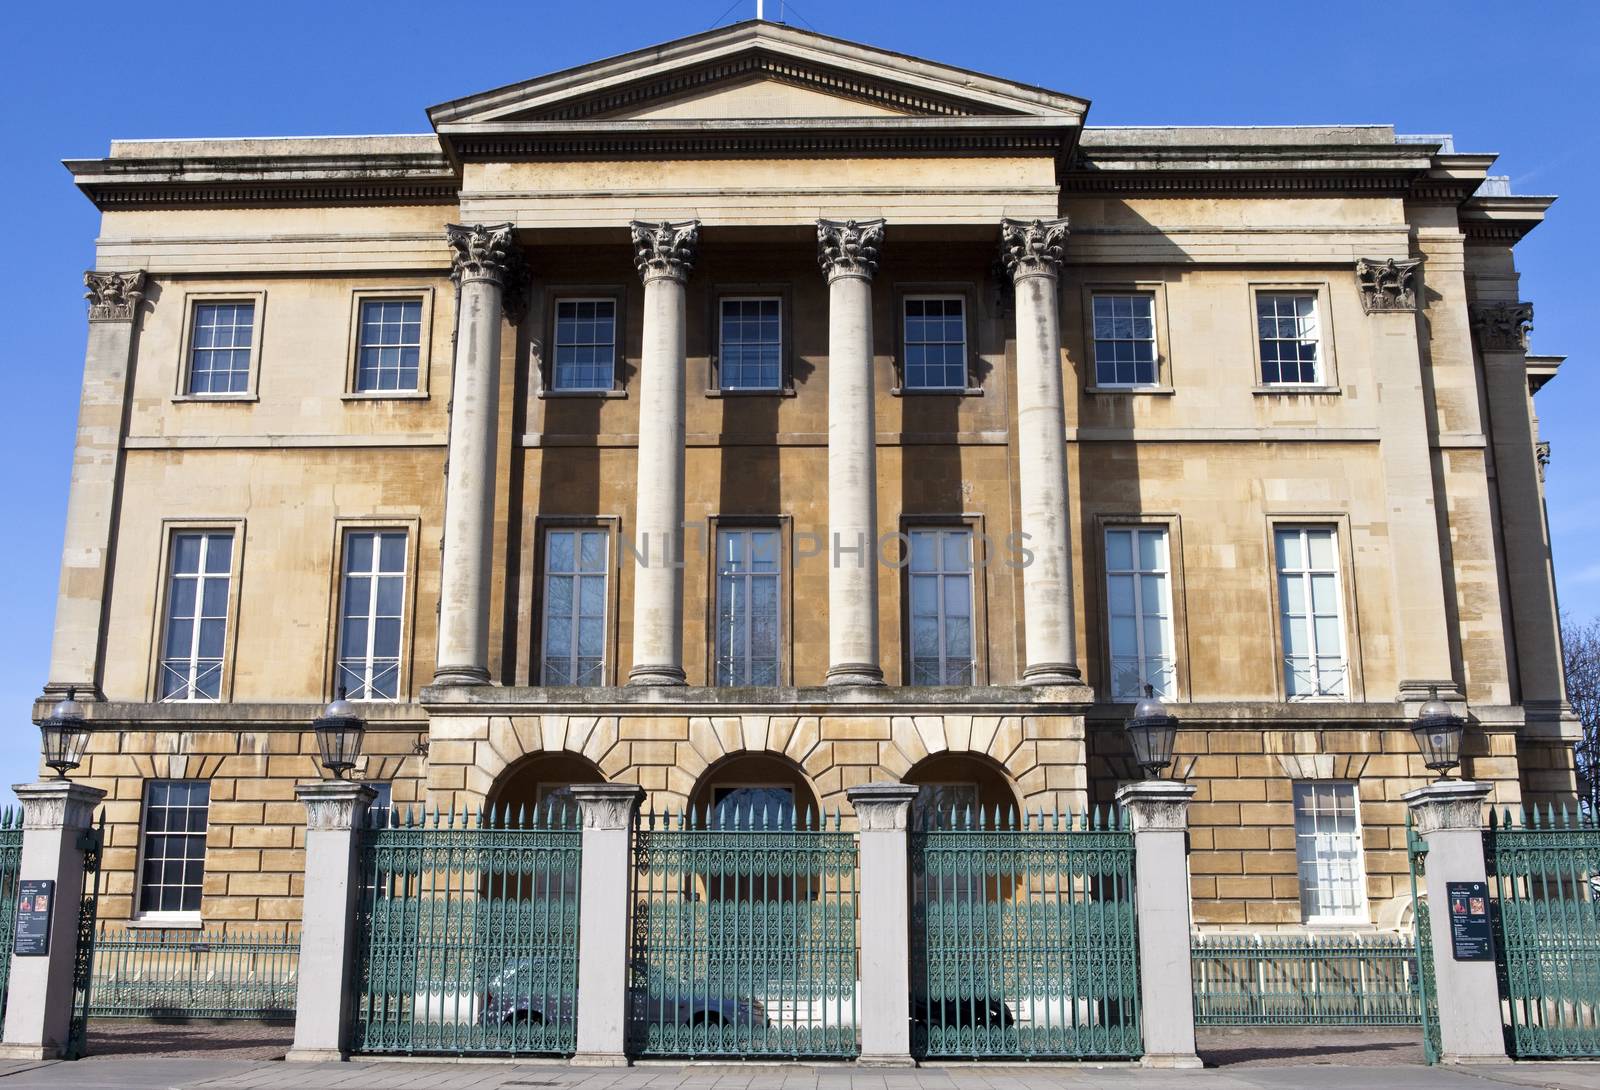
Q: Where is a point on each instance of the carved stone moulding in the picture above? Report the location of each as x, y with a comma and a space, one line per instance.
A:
665, 249
113, 297
1502, 327
849, 247
1387, 286
490, 253
1032, 247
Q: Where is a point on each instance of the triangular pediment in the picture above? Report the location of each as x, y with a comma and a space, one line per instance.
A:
758, 71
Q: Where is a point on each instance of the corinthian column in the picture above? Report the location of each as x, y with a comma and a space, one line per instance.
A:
486, 263
664, 254
848, 253
114, 300
1032, 255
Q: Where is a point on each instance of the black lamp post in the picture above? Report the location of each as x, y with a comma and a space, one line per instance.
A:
1151, 731
1438, 734
339, 732
64, 735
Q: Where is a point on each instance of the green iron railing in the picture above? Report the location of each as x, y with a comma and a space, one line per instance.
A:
744, 928
1293, 979
10, 862
1422, 937
467, 934
190, 974
1024, 940
1544, 870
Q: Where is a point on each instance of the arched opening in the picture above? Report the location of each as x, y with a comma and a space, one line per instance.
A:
541, 784
955, 788
754, 790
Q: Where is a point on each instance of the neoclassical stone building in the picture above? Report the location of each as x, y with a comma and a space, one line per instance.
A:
764, 414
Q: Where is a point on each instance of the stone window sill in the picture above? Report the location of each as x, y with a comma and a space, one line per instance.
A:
968, 391
174, 923
788, 391
559, 395
1287, 389
216, 399
1103, 391
385, 395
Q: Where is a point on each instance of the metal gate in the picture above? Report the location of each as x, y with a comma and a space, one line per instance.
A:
10, 867
744, 936
91, 842
1544, 877
467, 934
1023, 936
1422, 936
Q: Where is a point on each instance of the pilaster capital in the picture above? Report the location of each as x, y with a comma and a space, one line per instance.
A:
58, 804
882, 807
849, 247
113, 297
665, 250
1032, 247
1157, 806
1541, 454
1502, 327
1447, 806
608, 806
334, 806
1387, 286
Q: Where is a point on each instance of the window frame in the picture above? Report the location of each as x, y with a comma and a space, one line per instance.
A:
1157, 290
169, 530
541, 618
1106, 527
164, 918
343, 529
531, 669
967, 293
358, 299
192, 302
544, 350
726, 293
1327, 362
1340, 525
1361, 912
782, 526
973, 525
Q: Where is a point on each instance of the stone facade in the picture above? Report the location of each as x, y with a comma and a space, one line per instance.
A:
667, 181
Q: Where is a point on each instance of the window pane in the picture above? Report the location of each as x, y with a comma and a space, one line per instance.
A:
172, 846
574, 607
750, 344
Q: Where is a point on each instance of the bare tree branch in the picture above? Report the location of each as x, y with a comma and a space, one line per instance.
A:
1580, 653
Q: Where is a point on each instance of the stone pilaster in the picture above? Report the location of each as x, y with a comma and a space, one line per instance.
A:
608, 811
55, 816
1416, 567
486, 261
1031, 253
883, 811
1448, 815
335, 812
115, 300
1160, 813
848, 254
1500, 329
664, 254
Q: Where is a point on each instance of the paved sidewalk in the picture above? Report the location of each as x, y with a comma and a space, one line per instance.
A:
195, 1073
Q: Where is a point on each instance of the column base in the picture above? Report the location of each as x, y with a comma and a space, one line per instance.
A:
888, 1059
316, 1055
599, 1059
855, 673
1052, 673
1171, 1061
460, 675
29, 1052
644, 676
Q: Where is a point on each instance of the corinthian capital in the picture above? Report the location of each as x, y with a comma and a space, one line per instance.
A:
482, 253
1032, 247
113, 297
1502, 326
665, 249
1387, 285
850, 247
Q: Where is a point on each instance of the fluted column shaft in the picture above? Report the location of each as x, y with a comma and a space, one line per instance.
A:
848, 253
485, 259
664, 254
1032, 255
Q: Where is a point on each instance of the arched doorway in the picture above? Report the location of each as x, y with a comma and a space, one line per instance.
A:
956, 787
754, 790
541, 783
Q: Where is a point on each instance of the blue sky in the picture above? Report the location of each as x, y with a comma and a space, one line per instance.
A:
1509, 79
